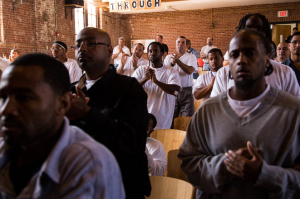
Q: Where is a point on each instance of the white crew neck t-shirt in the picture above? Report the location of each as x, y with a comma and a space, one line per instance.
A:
128, 69
243, 108
74, 70
117, 60
159, 103
282, 77
203, 81
188, 59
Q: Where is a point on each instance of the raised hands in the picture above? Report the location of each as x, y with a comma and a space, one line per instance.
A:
79, 107
134, 61
175, 57
245, 163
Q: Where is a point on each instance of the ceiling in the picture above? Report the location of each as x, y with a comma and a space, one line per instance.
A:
172, 5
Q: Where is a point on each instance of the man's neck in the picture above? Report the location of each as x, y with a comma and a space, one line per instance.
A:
157, 65
62, 59
282, 59
246, 94
296, 60
215, 69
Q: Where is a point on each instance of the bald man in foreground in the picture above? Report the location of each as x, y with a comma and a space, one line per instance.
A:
111, 108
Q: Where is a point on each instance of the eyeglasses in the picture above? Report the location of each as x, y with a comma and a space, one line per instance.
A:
53, 49
89, 45
295, 42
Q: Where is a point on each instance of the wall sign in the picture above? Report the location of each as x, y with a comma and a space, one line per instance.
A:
129, 5
283, 13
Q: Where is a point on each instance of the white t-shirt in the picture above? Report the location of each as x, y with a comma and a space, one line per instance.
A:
226, 57
188, 59
282, 77
4, 63
156, 155
159, 103
74, 70
243, 108
128, 69
117, 60
205, 50
203, 81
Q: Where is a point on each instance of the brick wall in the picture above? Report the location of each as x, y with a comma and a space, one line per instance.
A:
27, 30
195, 25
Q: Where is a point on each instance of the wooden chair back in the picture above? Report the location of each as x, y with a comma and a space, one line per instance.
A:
197, 104
169, 188
174, 170
170, 138
181, 123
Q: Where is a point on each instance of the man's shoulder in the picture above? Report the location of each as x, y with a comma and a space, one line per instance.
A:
286, 100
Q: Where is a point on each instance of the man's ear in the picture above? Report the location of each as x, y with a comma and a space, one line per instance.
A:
267, 58
63, 103
109, 51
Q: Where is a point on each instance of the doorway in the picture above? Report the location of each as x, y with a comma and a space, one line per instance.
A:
281, 30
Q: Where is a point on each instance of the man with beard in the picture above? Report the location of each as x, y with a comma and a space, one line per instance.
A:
204, 83
294, 60
112, 108
185, 64
161, 82
204, 51
129, 64
283, 77
245, 142
41, 155
59, 51
283, 52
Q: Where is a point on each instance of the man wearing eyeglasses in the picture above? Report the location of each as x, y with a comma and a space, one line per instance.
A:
59, 51
119, 50
294, 60
283, 52
111, 108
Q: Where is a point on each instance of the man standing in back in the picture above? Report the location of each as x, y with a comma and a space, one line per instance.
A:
185, 64
130, 64
120, 50
204, 51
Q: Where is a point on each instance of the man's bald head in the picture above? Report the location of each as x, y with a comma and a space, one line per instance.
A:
93, 51
283, 51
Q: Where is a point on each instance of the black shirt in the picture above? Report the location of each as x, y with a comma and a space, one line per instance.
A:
118, 119
289, 63
166, 49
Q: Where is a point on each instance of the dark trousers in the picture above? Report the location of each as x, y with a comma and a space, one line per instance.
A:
184, 103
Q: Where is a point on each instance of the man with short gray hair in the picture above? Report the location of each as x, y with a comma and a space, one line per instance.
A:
118, 51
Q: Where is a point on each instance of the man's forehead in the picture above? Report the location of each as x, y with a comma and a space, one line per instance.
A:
244, 39
296, 37
181, 39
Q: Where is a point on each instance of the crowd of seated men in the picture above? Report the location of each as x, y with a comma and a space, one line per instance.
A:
82, 128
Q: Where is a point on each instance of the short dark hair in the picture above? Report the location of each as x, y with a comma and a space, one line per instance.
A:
188, 41
266, 26
295, 28
15, 50
55, 72
265, 43
156, 43
296, 33
160, 36
152, 117
140, 44
183, 37
216, 50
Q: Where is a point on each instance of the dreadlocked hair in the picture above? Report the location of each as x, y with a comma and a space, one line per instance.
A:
266, 27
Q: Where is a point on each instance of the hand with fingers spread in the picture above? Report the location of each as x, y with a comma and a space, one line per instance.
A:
246, 165
79, 107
